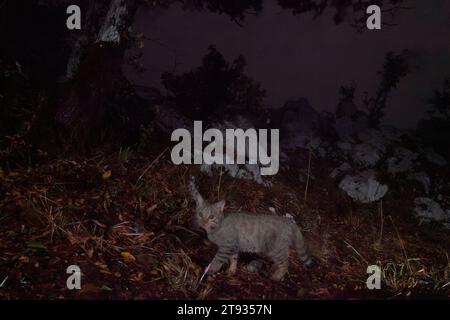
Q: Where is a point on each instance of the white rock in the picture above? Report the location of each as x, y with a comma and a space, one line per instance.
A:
114, 22
429, 209
247, 171
363, 187
366, 155
403, 161
250, 172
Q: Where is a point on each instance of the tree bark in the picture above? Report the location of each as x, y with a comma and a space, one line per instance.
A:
93, 59
92, 73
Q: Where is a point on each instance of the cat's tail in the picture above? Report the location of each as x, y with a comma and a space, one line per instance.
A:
301, 247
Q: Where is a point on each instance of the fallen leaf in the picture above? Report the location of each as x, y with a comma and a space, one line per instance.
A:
24, 259
137, 277
128, 257
106, 175
105, 288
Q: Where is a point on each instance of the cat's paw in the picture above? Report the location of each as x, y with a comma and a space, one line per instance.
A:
231, 271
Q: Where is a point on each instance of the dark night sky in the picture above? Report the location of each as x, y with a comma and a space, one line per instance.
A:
293, 56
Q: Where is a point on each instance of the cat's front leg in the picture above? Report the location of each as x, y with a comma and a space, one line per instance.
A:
233, 264
220, 258
216, 264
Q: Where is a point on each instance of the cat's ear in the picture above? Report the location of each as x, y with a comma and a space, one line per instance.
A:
220, 205
199, 200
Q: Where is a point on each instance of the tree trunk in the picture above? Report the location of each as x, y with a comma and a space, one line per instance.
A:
94, 59
92, 73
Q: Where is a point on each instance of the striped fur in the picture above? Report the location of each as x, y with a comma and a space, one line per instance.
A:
267, 235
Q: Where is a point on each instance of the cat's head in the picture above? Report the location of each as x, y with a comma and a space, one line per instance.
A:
208, 216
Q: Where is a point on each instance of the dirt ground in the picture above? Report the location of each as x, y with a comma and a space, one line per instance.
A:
125, 219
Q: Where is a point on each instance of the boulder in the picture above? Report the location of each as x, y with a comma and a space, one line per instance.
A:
402, 161
245, 171
363, 187
366, 155
428, 209
240, 171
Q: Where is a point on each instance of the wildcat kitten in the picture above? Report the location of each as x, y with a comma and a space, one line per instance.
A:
267, 235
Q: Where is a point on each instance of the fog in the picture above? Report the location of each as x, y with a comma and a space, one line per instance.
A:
293, 56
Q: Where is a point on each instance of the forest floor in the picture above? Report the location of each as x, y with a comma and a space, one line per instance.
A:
125, 220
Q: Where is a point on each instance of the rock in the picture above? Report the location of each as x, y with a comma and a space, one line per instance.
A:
428, 209
363, 187
422, 178
251, 172
240, 171
115, 22
435, 158
339, 171
403, 161
366, 155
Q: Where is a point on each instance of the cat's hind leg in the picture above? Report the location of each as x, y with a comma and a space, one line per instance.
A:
279, 256
281, 269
